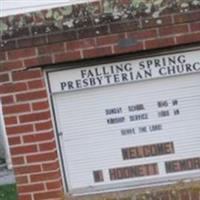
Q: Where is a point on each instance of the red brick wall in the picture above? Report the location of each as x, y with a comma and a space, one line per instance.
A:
26, 104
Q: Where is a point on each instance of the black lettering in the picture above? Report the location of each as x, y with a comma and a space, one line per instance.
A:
142, 65
108, 77
128, 131
137, 107
105, 72
181, 59
115, 120
188, 67
119, 68
97, 72
138, 76
78, 83
90, 73
142, 129
176, 112
85, 82
161, 104
143, 116
163, 113
83, 73
164, 62
157, 127
157, 63
70, 85
92, 82
148, 73
171, 70
180, 69
113, 111
175, 102
149, 63
116, 78
99, 79
128, 67
162, 71
63, 85
124, 77
172, 60
196, 66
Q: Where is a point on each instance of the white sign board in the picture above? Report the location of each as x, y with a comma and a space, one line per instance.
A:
131, 134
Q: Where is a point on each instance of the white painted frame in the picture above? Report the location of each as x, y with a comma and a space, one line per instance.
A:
5, 140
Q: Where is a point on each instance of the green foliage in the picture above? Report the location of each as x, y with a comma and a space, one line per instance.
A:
108, 6
8, 192
137, 3
67, 10
49, 14
3, 27
114, 9
57, 16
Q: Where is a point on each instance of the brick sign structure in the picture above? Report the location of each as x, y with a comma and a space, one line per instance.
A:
85, 36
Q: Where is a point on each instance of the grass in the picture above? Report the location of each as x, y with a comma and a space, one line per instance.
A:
8, 192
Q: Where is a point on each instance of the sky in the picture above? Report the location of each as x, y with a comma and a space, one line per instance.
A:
13, 7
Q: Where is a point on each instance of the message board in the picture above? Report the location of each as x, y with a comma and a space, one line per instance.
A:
128, 124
